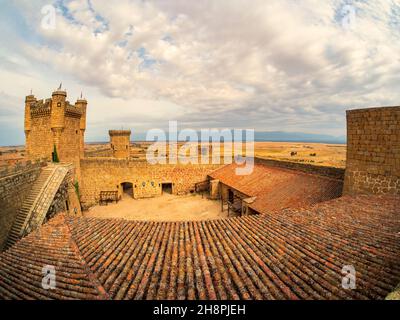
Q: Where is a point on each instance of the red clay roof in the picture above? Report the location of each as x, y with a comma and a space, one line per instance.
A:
295, 254
278, 188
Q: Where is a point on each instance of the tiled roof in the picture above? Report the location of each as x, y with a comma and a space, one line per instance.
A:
295, 254
21, 266
279, 188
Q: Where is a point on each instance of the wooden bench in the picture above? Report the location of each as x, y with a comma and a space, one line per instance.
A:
108, 196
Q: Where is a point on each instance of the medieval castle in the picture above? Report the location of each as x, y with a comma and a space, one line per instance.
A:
340, 214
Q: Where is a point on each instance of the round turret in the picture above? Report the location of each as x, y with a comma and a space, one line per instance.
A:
30, 98
59, 93
59, 103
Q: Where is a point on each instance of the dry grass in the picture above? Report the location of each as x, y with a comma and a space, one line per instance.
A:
333, 155
325, 154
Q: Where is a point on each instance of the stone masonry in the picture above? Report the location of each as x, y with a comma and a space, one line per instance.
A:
47, 198
120, 143
55, 123
373, 151
102, 174
15, 186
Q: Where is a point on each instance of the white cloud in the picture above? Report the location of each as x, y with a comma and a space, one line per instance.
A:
271, 65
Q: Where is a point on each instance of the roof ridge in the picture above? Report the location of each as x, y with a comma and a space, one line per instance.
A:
103, 294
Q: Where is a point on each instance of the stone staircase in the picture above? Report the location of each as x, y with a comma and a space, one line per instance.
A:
37, 203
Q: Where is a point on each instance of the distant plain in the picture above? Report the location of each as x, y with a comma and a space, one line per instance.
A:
320, 154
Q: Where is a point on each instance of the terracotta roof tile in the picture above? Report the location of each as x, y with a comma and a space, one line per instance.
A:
291, 254
278, 188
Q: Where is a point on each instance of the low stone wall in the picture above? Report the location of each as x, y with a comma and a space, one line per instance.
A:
102, 174
331, 172
104, 152
15, 185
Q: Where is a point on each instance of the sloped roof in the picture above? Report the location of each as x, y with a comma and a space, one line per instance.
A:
52, 245
278, 188
294, 254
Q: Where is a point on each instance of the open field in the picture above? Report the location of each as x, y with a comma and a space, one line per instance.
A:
314, 153
11, 155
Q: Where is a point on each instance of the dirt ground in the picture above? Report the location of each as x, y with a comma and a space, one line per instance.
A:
164, 208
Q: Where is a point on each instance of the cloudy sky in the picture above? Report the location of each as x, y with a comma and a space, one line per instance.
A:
283, 65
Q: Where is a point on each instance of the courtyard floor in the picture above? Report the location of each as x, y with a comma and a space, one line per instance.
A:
167, 207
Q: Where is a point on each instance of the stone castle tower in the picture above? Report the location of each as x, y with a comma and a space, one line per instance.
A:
54, 124
120, 143
373, 151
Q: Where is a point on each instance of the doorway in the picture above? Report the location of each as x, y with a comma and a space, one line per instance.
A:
166, 188
127, 189
230, 196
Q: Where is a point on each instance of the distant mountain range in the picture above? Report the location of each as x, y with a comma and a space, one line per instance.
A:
278, 136
297, 137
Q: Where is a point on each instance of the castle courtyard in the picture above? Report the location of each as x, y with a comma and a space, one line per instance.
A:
167, 207
162, 234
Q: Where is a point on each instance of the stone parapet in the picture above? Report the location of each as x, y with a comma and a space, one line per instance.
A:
331, 172
21, 167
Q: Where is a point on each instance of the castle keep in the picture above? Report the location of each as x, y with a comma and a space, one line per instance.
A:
54, 125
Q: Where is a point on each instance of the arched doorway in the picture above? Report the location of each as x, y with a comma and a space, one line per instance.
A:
127, 189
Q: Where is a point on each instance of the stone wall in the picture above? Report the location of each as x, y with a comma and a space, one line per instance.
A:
59, 203
70, 141
57, 195
120, 143
39, 140
108, 175
15, 186
55, 122
103, 152
331, 172
373, 151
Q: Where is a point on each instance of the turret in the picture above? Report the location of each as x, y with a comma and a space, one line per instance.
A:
82, 105
120, 143
28, 101
57, 120
58, 105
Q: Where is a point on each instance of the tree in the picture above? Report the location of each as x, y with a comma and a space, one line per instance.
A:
76, 185
55, 155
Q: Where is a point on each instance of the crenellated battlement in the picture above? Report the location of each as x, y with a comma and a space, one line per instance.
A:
43, 108
73, 111
119, 132
40, 108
